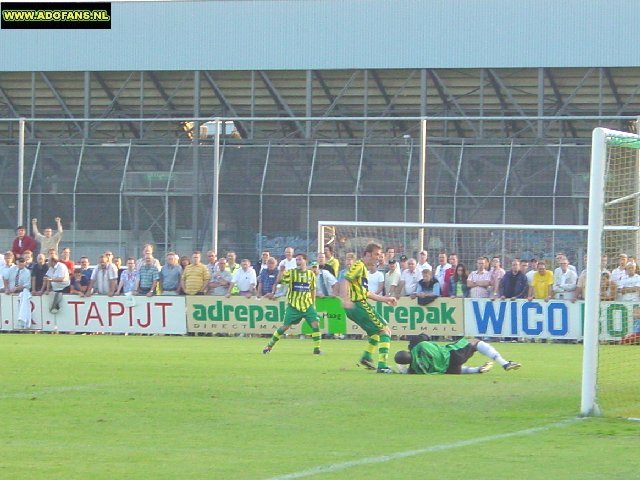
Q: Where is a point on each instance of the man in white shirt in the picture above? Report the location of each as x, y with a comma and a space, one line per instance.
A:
392, 280
629, 286
441, 269
423, 263
375, 280
245, 279
618, 273
289, 261
564, 281
325, 281
57, 278
409, 278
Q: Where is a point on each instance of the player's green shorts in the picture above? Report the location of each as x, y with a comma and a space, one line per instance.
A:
363, 315
293, 316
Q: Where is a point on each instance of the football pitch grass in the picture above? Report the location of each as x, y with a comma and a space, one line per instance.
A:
111, 407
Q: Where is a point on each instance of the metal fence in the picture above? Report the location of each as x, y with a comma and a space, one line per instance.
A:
271, 192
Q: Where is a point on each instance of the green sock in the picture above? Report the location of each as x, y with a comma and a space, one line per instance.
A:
276, 336
316, 336
383, 351
372, 345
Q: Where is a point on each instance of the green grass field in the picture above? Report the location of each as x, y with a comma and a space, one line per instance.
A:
111, 407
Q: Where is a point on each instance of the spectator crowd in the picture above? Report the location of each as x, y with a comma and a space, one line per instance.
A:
54, 270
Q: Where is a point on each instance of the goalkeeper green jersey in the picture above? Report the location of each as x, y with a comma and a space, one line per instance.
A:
429, 357
302, 286
358, 281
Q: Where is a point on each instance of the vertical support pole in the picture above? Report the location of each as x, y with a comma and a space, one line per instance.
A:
423, 179
216, 187
87, 105
309, 104
252, 124
196, 161
21, 131
365, 104
540, 101
592, 292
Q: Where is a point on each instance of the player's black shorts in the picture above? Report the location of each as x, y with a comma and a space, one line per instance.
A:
459, 358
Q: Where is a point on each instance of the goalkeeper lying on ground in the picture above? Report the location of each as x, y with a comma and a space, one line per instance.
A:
425, 356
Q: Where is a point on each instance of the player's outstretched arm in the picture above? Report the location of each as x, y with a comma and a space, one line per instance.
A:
380, 298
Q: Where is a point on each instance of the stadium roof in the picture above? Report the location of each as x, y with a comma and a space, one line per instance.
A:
337, 34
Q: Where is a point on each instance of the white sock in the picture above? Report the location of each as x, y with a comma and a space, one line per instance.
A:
466, 369
488, 351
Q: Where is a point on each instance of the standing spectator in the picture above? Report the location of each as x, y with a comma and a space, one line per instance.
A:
514, 283
86, 271
564, 281
104, 278
47, 238
533, 268
244, 279
323, 265
392, 279
349, 258
184, 261
219, 284
75, 287
620, 271
57, 280
497, 272
541, 286
389, 254
195, 277
65, 257
148, 277
267, 279
444, 287
38, 271
428, 288
479, 280
441, 269
22, 242
409, 278
147, 249
325, 281
18, 278
28, 259
331, 260
170, 275
289, 260
4, 269
403, 263
423, 261
262, 264
233, 267
212, 262
458, 286
117, 262
629, 286
376, 280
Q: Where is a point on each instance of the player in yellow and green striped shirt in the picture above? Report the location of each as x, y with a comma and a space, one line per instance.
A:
301, 296
355, 293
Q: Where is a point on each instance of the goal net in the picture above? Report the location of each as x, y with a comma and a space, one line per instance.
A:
612, 342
